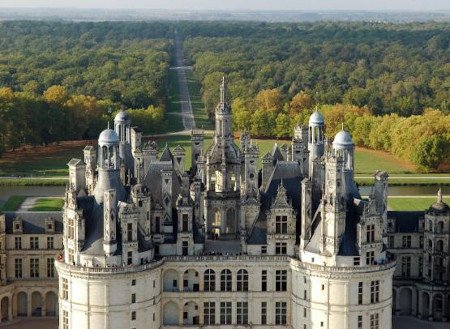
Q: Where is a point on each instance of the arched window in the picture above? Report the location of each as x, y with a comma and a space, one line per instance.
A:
440, 227
225, 280
217, 218
210, 280
242, 280
439, 246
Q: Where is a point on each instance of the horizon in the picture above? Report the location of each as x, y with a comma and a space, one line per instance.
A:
235, 5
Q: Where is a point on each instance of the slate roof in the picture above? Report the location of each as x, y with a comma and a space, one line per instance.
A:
153, 180
406, 221
33, 222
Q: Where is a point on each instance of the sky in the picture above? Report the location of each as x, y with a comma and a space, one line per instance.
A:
383, 5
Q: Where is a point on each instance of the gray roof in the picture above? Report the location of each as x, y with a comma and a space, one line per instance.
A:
33, 222
153, 180
343, 140
166, 154
406, 221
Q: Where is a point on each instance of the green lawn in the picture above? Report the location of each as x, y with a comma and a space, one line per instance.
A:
174, 122
413, 204
13, 203
48, 204
201, 117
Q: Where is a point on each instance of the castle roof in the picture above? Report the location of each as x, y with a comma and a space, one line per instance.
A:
343, 139
122, 116
316, 118
108, 137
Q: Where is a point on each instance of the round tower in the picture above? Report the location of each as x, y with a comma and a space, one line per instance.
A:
316, 137
122, 124
343, 146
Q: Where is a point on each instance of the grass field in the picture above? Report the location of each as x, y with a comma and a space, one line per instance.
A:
13, 203
174, 121
201, 118
412, 203
48, 204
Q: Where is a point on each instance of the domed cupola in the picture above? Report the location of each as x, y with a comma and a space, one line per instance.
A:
122, 125
316, 138
316, 119
343, 146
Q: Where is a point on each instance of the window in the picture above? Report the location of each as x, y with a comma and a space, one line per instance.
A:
65, 320
281, 224
210, 280
185, 248
133, 282
133, 315
130, 258
34, 242
370, 257
375, 291
185, 222
65, 289
50, 244
157, 224
34, 267
225, 280
130, 232
263, 250
264, 280
242, 280
263, 312
133, 298
406, 241
18, 268
360, 293
50, 267
242, 312
280, 248
391, 241
209, 314
370, 233
356, 261
374, 320
225, 312
304, 312
406, 266
281, 280
71, 229
360, 322
154, 317
18, 243
421, 242
420, 265
280, 313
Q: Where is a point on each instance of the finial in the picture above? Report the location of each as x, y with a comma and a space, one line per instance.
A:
222, 90
439, 196
342, 125
108, 124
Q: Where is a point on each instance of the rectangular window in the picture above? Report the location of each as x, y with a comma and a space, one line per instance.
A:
50, 267
185, 248
209, 313
130, 257
50, 242
420, 265
370, 257
391, 241
406, 241
406, 266
374, 321
210, 280
65, 289
133, 298
356, 261
130, 232
360, 293
370, 233
185, 222
281, 280
280, 313
133, 315
421, 242
264, 280
263, 250
281, 248
34, 267
18, 268
281, 224
34, 242
65, 320
18, 243
242, 280
242, 312
225, 312
360, 322
375, 291
71, 229
263, 312
304, 312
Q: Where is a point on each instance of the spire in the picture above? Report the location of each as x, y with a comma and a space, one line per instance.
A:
439, 196
108, 124
343, 126
223, 88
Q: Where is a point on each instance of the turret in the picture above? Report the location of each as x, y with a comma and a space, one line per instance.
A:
122, 126
300, 148
223, 117
267, 168
109, 222
178, 159
90, 159
316, 138
77, 176
250, 174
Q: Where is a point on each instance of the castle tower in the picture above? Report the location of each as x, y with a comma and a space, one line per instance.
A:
300, 148
197, 137
250, 174
90, 159
316, 138
109, 222
178, 159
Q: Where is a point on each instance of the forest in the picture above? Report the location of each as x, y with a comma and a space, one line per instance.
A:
61, 81
389, 81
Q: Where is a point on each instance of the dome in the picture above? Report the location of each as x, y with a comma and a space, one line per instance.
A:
316, 119
439, 207
108, 137
343, 139
122, 116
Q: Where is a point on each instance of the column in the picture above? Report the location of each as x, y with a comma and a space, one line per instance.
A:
420, 305
180, 313
181, 281
29, 305
10, 306
430, 307
44, 305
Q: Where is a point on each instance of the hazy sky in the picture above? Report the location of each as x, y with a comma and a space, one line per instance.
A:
417, 5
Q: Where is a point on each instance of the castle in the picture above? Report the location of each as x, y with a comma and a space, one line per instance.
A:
150, 245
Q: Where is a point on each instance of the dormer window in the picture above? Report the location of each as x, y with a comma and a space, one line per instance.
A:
17, 225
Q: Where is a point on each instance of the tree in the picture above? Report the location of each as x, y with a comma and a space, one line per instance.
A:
56, 95
269, 100
300, 102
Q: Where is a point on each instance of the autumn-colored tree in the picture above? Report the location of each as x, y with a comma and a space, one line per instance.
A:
300, 102
56, 95
269, 100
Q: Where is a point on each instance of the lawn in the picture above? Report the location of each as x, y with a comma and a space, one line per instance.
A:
201, 117
174, 121
413, 203
48, 204
13, 203
368, 161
